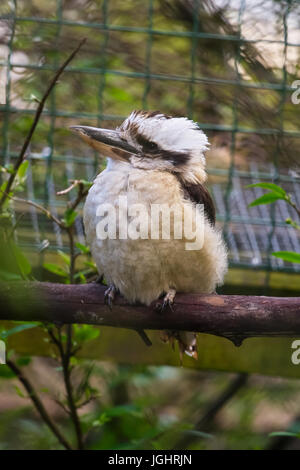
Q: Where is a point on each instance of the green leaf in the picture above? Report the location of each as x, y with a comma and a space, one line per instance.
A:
123, 410
266, 199
82, 273
101, 420
84, 333
3, 187
8, 276
19, 188
69, 217
271, 186
19, 392
8, 200
65, 257
291, 222
55, 269
290, 256
23, 361
9, 168
81, 277
5, 215
91, 264
32, 97
13, 263
84, 249
22, 262
284, 433
86, 183
200, 434
6, 372
21, 174
17, 329
117, 411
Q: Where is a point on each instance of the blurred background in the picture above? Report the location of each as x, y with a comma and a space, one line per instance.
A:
229, 65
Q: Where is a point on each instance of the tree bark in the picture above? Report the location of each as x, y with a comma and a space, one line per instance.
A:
235, 317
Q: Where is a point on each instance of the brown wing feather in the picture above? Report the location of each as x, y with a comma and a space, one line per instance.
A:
200, 195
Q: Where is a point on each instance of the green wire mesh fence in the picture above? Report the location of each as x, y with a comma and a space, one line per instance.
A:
231, 66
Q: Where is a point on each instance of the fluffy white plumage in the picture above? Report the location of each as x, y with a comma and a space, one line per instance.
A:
144, 269
177, 134
173, 134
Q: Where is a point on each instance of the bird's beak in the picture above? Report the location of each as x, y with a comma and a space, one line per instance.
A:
108, 142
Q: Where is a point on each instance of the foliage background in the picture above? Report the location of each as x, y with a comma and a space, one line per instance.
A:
228, 65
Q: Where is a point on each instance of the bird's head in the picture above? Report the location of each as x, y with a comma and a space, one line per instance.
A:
153, 141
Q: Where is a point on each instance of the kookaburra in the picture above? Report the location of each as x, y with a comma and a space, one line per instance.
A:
153, 158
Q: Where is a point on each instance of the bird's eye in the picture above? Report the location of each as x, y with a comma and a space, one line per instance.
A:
146, 144
151, 146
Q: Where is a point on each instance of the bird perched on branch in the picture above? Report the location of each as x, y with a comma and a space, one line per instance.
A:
153, 160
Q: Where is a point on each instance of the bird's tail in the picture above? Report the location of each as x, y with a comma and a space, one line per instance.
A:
187, 342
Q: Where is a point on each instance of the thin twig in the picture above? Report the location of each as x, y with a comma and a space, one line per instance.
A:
38, 404
81, 194
144, 337
63, 407
65, 361
41, 208
72, 254
67, 190
65, 356
15, 225
67, 379
68, 353
86, 402
293, 205
38, 113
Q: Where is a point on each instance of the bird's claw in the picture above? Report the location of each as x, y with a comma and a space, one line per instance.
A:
164, 306
109, 296
168, 302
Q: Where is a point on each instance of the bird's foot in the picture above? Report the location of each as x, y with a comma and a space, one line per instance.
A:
109, 295
187, 342
167, 302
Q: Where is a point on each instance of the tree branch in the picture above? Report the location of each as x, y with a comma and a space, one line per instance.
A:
68, 384
65, 357
40, 208
235, 317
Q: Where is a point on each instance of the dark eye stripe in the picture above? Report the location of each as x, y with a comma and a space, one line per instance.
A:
176, 158
141, 140
146, 144
151, 146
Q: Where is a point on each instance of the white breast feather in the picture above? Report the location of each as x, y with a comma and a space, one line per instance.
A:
143, 269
